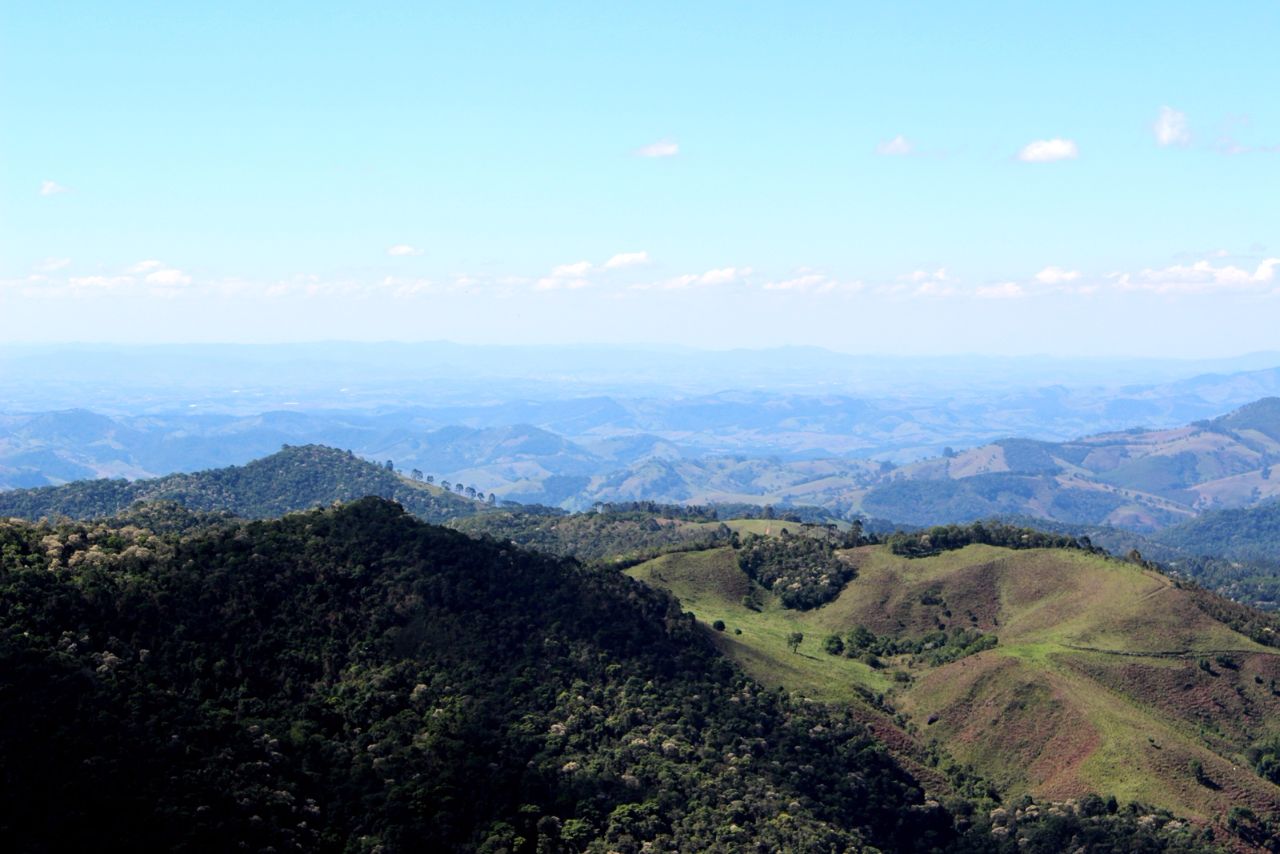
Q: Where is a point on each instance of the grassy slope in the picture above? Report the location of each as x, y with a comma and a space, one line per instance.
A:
764, 527
1095, 685
709, 584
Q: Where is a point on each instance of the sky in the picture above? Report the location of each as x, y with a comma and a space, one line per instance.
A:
1080, 178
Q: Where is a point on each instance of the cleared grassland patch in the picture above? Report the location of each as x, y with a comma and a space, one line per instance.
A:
710, 584
764, 527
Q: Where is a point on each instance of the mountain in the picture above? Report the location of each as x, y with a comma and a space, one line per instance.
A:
146, 413
352, 679
295, 478
533, 465
1053, 672
1139, 479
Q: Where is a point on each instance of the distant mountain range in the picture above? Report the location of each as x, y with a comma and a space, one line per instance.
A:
1136, 478
76, 412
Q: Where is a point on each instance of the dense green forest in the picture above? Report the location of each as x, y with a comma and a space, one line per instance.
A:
612, 534
803, 570
352, 679
943, 538
1249, 534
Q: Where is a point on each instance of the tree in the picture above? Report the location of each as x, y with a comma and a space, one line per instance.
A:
431, 478
794, 640
861, 638
471, 492
833, 645
457, 487
390, 466
416, 474
493, 499
446, 485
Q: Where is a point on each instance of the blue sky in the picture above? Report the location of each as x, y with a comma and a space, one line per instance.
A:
1073, 178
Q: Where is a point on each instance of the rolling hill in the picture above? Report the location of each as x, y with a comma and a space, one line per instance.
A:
1100, 675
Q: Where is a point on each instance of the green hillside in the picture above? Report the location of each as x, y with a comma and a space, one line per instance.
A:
1097, 676
296, 478
351, 679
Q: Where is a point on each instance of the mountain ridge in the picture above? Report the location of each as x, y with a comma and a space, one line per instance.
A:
292, 479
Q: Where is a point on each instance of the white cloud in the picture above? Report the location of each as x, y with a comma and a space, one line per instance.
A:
168, 276
938, 275
815, 283
146, 266
408, 288
1048, 150
403, 249
105, 283
720, 276
934, 289
1004, 290
566, 277
896, 147
799, 283
928, 283
661, 148
552, 283
51, 188
578, 268
1200, 277
626, 259
580, 274
1170, 128
1056, 276
50, 265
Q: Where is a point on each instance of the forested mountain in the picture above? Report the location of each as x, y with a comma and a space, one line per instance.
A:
295, 478
352, 679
